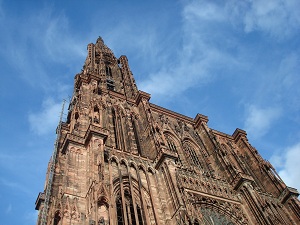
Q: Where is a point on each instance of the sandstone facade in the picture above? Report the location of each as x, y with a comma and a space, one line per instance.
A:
122, 160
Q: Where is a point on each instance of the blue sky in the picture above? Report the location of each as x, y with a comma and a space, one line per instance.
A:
235, 61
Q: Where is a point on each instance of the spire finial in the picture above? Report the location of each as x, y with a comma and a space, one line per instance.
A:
100, 40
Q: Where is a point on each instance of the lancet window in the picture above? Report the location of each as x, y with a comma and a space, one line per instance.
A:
191, 154
126, 210
120, 129
96, 118
136, 136
171, 144
108, 71
114, 120
120, 219
109, 81
56, 218
76, 123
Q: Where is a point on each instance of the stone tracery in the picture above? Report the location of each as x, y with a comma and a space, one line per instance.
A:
123, 160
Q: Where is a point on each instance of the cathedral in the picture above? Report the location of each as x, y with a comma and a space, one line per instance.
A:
122, 160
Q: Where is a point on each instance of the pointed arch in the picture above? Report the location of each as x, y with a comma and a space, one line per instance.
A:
76, 121
96, 114
114, 158
142, 168
151, 170
215, 212
133, 164
192, 156
124, 161
172, 141
103, 210
123, 167
128, 205
76, 115
119, 127
57, 218
136, 131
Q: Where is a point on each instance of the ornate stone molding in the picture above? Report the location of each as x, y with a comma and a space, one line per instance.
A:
163, 154
240, 179
287, 193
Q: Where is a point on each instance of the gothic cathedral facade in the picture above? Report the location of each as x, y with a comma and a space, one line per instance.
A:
122, 160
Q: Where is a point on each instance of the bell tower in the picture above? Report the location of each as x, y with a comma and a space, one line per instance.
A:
108, 72
121, 160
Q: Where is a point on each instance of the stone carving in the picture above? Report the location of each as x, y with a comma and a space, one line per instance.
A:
123, 160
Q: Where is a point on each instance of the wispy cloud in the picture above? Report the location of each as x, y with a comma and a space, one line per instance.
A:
14, 185
45, 121
288, 165
200, 55
259, 120
58, 41
210, 12
277, 18
42, 44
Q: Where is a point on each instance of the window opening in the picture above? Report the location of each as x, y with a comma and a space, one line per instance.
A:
109, 81
136, 136
110, 86
139, 212
96, 114
132, 218
132, 214
115, 127
56, 218
119, 211
193, 156
171, 144
108, 71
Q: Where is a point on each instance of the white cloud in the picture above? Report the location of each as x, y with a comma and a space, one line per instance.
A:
259, 120
198, 58
204, 10
44, 40
279, 18
288, 166
60, 44
47, 119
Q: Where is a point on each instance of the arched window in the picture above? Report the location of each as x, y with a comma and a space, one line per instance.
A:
139, 212
191, 154
103, 215
213, 217
76, 123
120, 218
171, 144
114, 122
96, 115
109, 81
108, 71
129, 211
136, 136
129, 208
56, 218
